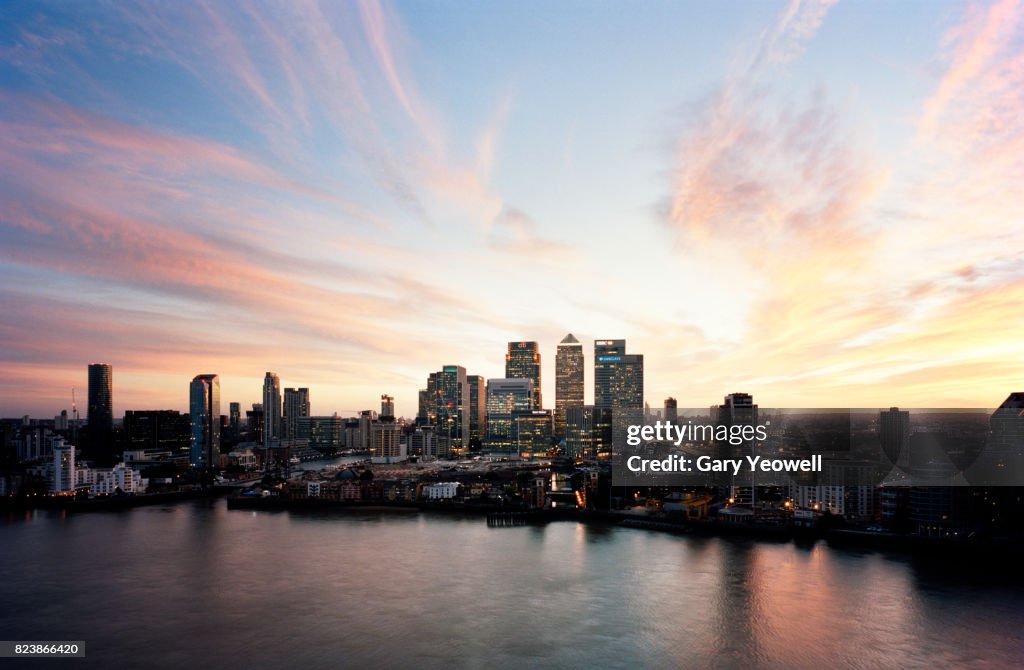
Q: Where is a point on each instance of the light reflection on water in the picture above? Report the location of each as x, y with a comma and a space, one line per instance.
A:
194, 581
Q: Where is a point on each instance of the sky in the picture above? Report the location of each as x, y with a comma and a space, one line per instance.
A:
819, 203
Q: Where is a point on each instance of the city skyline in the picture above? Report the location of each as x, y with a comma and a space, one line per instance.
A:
796, 200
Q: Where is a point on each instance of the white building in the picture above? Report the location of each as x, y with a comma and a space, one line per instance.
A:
441, 490
63, 475
107, 482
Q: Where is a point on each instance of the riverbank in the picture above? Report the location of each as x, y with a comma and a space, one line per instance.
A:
498, 516
105, 504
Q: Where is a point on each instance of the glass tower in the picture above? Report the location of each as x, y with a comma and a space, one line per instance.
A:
204, 410
568, 381
523, 362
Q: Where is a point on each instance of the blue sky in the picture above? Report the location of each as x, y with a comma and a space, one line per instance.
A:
801, 200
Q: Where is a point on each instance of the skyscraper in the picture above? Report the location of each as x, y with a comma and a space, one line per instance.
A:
532, 432
580, 432
165, 430
63, 467
607, 355
204, 411
505, 397
568, 380
235, 415
671, 410
737, 409
893, 433
451, 404
296, 406
387, 406
271, 408
101, 407
618, 386
477, 408
523, 362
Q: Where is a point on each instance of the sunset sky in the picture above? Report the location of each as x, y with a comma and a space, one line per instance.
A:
818, 203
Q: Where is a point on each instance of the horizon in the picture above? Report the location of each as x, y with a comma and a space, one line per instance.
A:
796, 200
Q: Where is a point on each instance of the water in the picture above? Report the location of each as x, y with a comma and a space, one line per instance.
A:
196, 585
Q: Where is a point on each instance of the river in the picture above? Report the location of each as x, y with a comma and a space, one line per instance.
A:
193, 585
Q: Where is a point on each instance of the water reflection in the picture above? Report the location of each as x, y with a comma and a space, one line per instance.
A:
377, 589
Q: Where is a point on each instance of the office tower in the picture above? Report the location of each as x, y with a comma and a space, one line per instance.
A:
893, 434
159, 430
504, 398
532, 432
580, 432
387, 406
451, 405
618, 387
296, 406
523, 362
254, 422
326, 434
271, 408
427, 414
204, 411
607, 355
1001, 462
671, 410
235, 415
477, 408
101, 409
568, 381
738, 409
424, 408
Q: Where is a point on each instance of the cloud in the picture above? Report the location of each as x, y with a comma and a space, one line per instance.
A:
863, 287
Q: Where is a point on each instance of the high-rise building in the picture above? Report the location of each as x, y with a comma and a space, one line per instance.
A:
893, 434
164, 430
427, 413
477, 408
326, 434
523, 362
532, 432
386, 440
671, 410
63, 467
1001, 462
568, 381
738, 409
296, 406
387, 406
271, 408
101, 408
425, 408
451, 405
504, 398
254, 422
607, 355
204, 411
619, 387
235, 416
580, 432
